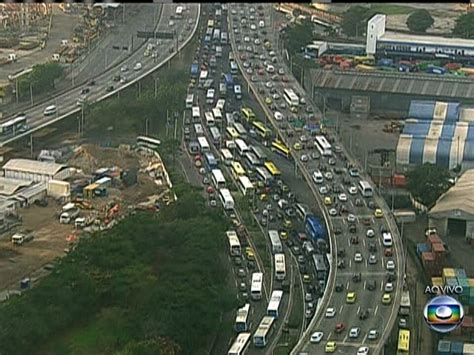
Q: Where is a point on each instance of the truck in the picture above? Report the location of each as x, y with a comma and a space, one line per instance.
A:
68, 213
11, 58
194, 69
405, 303
21, 238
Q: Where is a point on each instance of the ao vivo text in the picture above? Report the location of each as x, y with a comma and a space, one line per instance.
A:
444, 290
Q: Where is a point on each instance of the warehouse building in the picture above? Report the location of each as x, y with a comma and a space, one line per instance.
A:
18, 193
33, 170
453, 214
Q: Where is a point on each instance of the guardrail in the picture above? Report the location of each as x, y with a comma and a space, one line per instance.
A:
77, 110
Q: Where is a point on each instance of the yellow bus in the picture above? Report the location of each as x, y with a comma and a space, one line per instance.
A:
261, 129
403, 342
280, 148
367, 60
272, 169
232, 133
248, 114
237, 169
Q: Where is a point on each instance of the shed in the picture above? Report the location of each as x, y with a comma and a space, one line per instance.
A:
38, 171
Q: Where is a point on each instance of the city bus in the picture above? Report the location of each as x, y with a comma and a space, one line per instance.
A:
259, 153
242, 147
179, 12
261, 130
210, 161
240, 344
260, 338
215, 135
291, 98
320, 266
216, 35
237, 169
198, 129
226, 199
272, 169
275, 241
323, 146
248, 114
403, 342
217, 113
234, 69
365, 189
232, 133
229, 81
209, 118
203, 76
274, 304
220, 105
264, 176
142, 141
203, 144
189, 101
251, 161
240, 129
242, 317
245, 185
256, 287
234, 244
280, 268
314, 227
15, 125
217, 178
229, 119
226, 156
405, 304
196, 113
280, 148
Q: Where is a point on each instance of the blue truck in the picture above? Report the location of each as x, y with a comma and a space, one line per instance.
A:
194, 69
315, 228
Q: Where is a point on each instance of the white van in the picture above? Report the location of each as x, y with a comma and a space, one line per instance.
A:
261, 24
387, 240
210, 96
238, 92
50, 110
317, 177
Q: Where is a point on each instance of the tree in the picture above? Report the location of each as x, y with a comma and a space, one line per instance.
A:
298, 35
419, 21
41, 79
465, 26
428, 182
355, 19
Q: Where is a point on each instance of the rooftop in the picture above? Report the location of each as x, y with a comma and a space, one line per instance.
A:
35, 166
9, 186
428, 40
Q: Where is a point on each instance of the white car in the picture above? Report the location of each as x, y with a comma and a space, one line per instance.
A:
353, 190
333, 212
323, 190
354, 332
370, 233
372, 259
123, 80
328, 175
278, 116
246, 39
50, 110
316, 337
138, 66
387, 239
351, 218
124, 69
253, 27
358, 257
268, 84
363, 350
270, 69
388, 287
304, 158
373, 334
342, 197
390, 265
330, 312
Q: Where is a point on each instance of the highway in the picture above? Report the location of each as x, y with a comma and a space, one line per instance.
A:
104, 85
265, 85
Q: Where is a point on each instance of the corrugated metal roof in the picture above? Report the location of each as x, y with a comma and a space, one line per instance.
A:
395, 37
396, 83
33, 166
10, 186
459, 197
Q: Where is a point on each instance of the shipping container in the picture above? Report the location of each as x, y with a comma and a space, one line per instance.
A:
438, 248
438, 281
471, 282
434, 238
422, 248
456, 348
460, 273
444, 347
448, 272
451, 281
399, 180
57, 189
403, 149
468, 349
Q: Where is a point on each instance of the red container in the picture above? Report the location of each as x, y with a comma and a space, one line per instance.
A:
399, 180
433, 238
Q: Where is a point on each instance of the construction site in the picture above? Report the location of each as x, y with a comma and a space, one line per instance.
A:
49, 204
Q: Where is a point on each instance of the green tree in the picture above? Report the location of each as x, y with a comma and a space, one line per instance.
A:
41, 79
419, 21
298, 35
355, 19
428, 182
465, 25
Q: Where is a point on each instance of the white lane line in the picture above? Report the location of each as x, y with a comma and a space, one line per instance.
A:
365, 338
347, 285
350, 263
365, 282
329, 336
345, 339
383, 266
381, 285
376, 310
349, 242
363, 242
340, 308
358, 310
380, 242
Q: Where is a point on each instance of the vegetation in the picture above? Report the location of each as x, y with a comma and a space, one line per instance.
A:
41, 79
428, 182
465, 25
420, 21
297, 36
154, 284
390, 9
355, 20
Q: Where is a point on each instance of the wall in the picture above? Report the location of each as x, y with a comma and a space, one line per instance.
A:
375, 29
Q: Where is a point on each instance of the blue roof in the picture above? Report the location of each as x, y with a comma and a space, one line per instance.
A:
443, 152
416, 151
448, 131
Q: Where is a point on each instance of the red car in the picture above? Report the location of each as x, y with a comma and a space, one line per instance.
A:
340, 327
284, 79
210, 190
388, 252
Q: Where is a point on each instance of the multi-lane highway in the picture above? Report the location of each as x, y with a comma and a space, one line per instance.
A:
133, 68
344, 207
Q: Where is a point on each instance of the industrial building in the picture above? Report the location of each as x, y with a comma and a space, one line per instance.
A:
33, 170
453, 214
18, 193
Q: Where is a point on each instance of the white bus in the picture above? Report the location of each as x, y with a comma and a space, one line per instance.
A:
256, 287
274, 304
210, 96
242, 147
217, 113
262, 334
280, 268
365, 189
233, 68
240, 129
224, 38
148, 142
275, 242
226, 199
218, 178
196, 113
245, 185
263, 175
215, 135
238, 92
242, 318
203, 76
220, 104
209, 118
323, 146
189, 101
234, 243
203, 144
240, 344
226, 156
198, 129
291, 98
259, 153
217, 34
179, 12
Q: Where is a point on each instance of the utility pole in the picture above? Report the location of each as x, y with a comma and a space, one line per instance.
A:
31, 94
156, 87
175, 126
123, 12
31, 145
82, 117
139, 88
146, 126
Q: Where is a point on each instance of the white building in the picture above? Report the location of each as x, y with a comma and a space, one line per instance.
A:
33, 170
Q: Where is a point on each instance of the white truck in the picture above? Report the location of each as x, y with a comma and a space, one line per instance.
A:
68, 213
21, 238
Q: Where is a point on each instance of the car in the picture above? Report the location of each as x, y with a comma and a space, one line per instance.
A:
297, 146
123, 80
242, 286
387, 240
388, 287
268, 84
332, 161
386, 298
330, 347
278, 116
339, 328
354, 332
354, 172
268, 100
354, 240
363, 350
337, 230
342, 197
213, 203
328, 201
85, 91
372, 247
330, 312
370, 233
328, 175
339, 287
402, 323
373, 334
308, 297
363, 314
378, 213
352, 228
109, 88
287, 223
388, 252
323, 190
316, 337
285, 79
358, 202
306, 279
137, 66
241, 272
357, 277
315, 156
390, 266
351, 218
304, 158
352, 190
333, 212
249, 253
341, 264
372, 259
358, 258
351, 297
